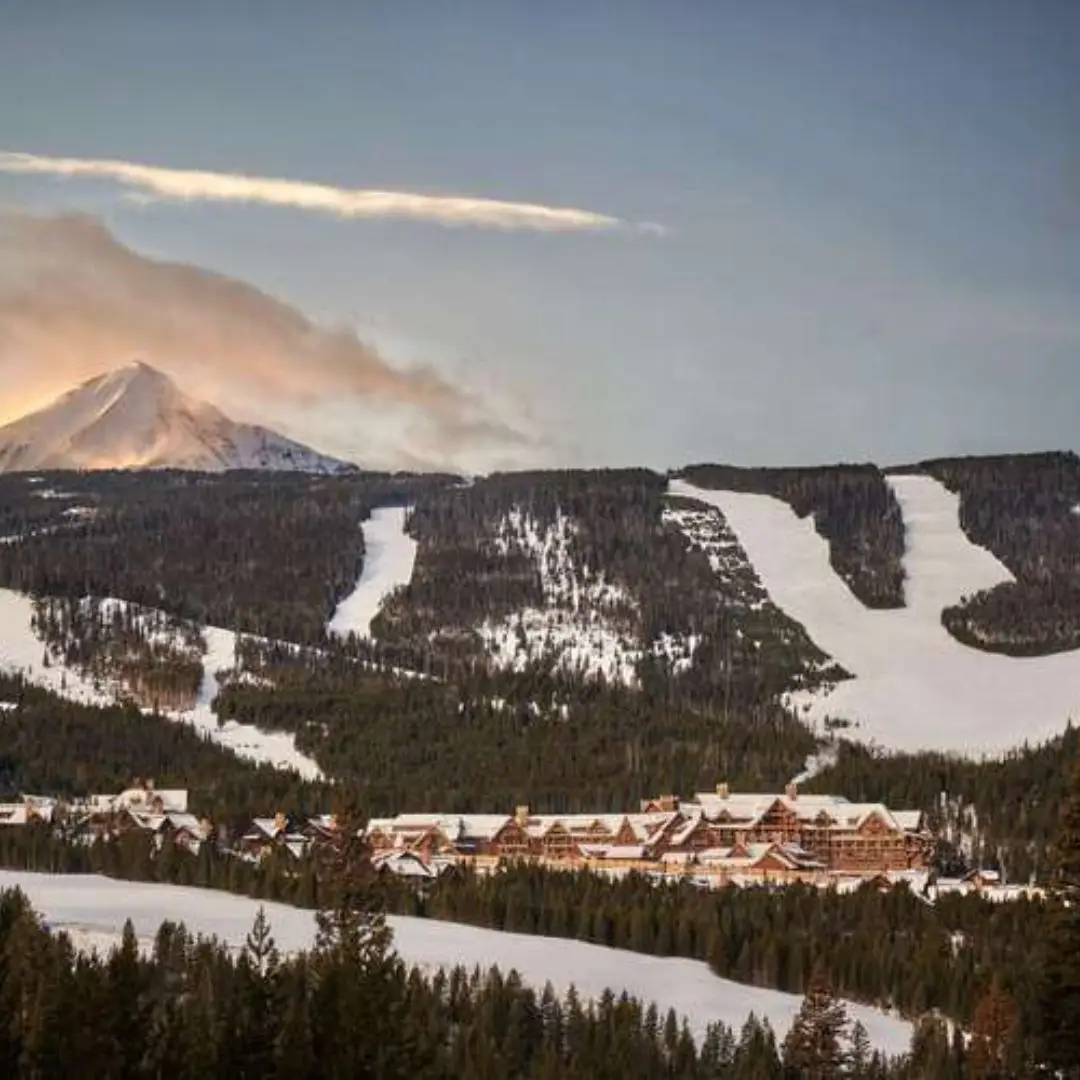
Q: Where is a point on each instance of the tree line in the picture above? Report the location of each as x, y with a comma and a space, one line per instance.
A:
1023, 508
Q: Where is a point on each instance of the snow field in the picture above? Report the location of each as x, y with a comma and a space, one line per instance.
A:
915, 686
95, 908
22, 651
587, 623
389, 558
579, 623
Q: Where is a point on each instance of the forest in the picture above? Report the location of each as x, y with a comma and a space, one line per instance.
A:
493, 742
1025, 508
270, 555
854, 509
886, 947
619, 554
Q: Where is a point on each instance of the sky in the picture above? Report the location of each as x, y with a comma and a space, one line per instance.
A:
602, 234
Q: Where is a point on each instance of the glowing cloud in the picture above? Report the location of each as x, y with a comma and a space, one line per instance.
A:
74, 302
189, 185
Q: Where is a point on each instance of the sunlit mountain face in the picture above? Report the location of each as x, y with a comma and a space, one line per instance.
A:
135, 417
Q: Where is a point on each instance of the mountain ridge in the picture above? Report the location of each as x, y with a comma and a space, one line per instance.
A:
136, 417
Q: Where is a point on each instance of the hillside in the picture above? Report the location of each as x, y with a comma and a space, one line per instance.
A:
571, 638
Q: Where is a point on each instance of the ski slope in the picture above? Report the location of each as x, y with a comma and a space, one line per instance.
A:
22, 651
93, 910
389, 557
915, 686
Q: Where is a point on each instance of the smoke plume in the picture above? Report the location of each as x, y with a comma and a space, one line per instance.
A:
74, 302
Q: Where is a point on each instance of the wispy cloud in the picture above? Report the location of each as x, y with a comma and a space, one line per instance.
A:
187, 185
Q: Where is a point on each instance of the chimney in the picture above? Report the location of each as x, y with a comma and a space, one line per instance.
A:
521, 815
792, 792
149, 783
279, 822
723, 790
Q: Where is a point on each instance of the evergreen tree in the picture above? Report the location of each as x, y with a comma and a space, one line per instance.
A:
1059, 1006
994, 1049
814, 1048
860, 1054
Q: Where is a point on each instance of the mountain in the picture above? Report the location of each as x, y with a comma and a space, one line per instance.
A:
136, 417
931, 606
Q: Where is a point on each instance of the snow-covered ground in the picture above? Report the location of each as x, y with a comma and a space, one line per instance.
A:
93, 910
389, 558
915, 686
583, 623
22, 651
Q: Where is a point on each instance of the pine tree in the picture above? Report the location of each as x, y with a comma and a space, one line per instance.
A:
860, 1054
994, 1036
260, 948
1059, 1006
813, 1047
360, 1003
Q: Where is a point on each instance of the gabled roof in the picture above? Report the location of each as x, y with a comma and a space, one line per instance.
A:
268, 827
190, 823
684, 831
404, 864
171, 798
908, 820
612, 851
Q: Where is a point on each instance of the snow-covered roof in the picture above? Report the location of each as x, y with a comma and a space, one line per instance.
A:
908, 820
150, 822
14, 813
747, 808
685, 830
455, 827
189, 822
612, 851
404, 864
172, 799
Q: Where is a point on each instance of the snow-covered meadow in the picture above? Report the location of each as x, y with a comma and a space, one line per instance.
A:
389, 558
915, 686
93, 911
22, 651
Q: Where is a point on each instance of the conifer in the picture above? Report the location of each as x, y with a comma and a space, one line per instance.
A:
814, 1046
1059, 1006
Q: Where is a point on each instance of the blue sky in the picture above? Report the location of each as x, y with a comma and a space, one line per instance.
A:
871, 209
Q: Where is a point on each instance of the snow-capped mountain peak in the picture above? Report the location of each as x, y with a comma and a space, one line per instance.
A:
136, 417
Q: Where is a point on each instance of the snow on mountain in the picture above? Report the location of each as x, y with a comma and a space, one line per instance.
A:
584, 623
137, 418
915, 687
22, 652
389, 557
93, 911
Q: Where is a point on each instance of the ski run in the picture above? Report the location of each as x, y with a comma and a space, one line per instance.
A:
22, 652
915, 686
389, 557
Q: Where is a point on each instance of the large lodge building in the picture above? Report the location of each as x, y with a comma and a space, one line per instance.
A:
719, 836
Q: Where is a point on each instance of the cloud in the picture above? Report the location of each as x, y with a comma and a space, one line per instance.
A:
74, 302
185, 185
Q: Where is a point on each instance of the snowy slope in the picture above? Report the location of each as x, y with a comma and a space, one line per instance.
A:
94, 910
915, 686
22, 651
389, 557
136, 418
585, 623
